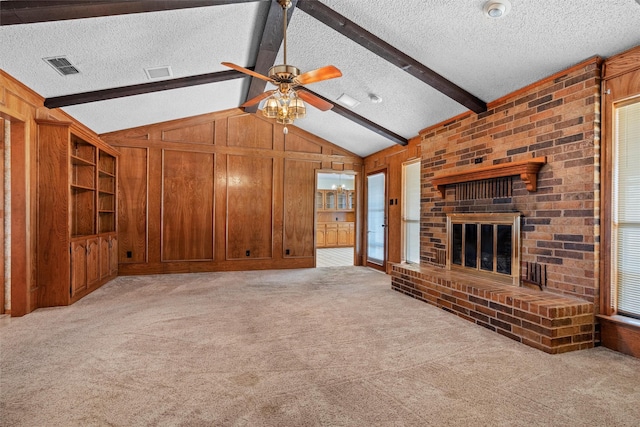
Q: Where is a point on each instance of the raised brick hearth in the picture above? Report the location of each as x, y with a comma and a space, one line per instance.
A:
550, 322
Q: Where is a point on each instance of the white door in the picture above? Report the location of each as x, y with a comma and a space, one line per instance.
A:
376, 220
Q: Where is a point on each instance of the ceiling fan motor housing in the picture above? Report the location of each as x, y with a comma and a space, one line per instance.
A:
283, 73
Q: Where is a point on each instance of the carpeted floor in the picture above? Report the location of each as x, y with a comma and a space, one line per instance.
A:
324, 346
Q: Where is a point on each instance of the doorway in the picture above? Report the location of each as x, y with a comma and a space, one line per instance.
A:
335, 202
376, 220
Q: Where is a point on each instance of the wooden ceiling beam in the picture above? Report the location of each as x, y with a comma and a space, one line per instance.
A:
366, 123
398, 58
140, 89
270, 43
28, 12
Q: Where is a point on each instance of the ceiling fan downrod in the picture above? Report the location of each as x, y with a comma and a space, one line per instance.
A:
285, 4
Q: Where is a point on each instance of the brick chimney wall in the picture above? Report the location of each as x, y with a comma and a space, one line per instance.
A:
558, 117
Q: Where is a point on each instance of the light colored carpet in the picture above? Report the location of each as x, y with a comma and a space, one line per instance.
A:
332, 347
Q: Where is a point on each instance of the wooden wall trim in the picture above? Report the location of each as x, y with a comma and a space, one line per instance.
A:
152, 134
621, 83
25, 93
621, 63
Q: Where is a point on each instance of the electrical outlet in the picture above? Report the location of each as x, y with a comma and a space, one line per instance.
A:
248, 253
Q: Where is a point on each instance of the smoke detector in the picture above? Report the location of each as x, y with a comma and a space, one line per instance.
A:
497, 8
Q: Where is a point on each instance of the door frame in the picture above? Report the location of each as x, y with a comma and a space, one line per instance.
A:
383, 266
357, 209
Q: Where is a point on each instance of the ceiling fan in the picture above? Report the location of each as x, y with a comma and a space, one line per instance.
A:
285, 104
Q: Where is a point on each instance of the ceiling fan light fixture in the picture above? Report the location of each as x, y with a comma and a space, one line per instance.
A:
297, 109
284, 104
497, 8
270, 109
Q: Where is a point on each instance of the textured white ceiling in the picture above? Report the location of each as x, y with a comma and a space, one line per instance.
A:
487, 57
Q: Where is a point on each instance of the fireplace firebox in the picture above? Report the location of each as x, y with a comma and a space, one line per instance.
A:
486, 244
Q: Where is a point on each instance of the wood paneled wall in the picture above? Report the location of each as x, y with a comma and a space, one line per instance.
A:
21, 106
222, 191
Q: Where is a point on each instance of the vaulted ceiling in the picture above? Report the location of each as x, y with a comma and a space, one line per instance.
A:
428, 60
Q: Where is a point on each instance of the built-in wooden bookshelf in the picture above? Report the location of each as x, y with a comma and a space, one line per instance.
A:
77, 199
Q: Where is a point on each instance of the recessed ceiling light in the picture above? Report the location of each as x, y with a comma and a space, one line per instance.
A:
497, 8
348, 101
158, 72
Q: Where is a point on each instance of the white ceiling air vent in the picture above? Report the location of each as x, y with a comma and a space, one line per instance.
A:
158, 72
62, 65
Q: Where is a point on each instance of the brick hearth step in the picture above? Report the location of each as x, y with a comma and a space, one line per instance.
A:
547, 321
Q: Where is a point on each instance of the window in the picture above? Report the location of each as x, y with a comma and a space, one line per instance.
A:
411, 211
625, 225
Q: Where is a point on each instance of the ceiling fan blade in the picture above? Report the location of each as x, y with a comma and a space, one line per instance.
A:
257, 99
247, 71
320, 104
324, 73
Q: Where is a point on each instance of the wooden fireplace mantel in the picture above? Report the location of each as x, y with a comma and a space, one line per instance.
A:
527, 169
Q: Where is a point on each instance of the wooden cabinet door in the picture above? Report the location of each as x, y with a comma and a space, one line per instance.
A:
330, 200
78, 266
350, 200
93, 261
104, 257
343, 234
352, 234
331, 235
113, 255
320, 236
319, 200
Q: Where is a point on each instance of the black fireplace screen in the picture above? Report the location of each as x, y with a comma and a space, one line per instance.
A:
486, 246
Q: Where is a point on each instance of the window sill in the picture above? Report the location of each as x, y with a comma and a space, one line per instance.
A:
620, 333
621, 320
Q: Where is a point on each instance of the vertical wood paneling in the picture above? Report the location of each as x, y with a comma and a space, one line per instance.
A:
53, 171
132, 205
199, 134
249, 207
297, 143
246, 131
250, 179
299, 185
187, 206
2, 237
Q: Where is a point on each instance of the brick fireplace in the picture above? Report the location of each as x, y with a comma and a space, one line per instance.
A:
534, 152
